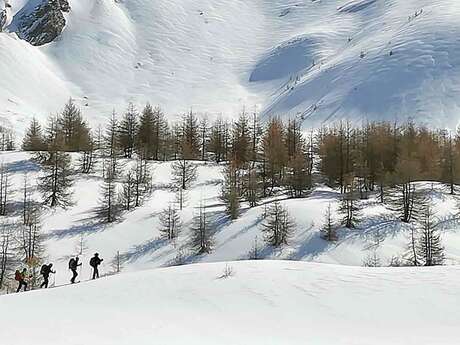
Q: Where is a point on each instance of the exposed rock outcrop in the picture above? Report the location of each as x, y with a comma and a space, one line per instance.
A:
42, 24
2, 19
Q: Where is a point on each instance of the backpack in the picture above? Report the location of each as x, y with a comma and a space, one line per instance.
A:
43, 269
92, 262
17, 276
72, 264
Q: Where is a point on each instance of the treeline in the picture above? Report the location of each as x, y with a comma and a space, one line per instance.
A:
388, 160
382, 154
151, 137
262, 160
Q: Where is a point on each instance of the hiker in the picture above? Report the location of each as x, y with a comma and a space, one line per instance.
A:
94, 262
21, 278
45, 271
73, 265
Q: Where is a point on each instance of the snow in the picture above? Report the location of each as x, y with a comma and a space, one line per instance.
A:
287, 57
285, 60
263, 302
220, 56
136, 235
355, 6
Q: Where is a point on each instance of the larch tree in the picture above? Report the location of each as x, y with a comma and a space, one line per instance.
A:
127, 131
81, 245
336, 149
180, 197
110, 146
127, 196
295, 142
430, 250
274, 151
160, 134
204, 137
5, 186
87, 159
33, 139
404, 198
256, 132
278, 226
175, 141
350, 205
152, 133
298, 178
30, 247
231, 192
170, 223
450, 162
108, 210
75, 131
252, 188
202, 235
117, 263
183, 173
6, 251
190, 137
7, 139
329, 231
142, 179
241, 141
54, 139
56, 181
216, 144
146, 133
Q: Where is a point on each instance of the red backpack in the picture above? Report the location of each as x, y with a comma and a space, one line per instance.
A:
17, 276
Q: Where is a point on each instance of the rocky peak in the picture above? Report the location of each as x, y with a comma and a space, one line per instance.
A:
42, 23
2, 19
3, 14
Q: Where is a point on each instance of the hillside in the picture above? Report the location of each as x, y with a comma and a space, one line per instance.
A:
322, 60
263, 302
136, 236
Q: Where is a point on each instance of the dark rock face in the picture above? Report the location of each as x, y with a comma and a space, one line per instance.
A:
64, 5
44, 23
2, 19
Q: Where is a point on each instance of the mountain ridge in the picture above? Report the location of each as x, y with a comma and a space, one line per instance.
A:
360, 60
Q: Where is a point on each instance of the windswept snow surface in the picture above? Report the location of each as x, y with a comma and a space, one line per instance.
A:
292, 58
263, 303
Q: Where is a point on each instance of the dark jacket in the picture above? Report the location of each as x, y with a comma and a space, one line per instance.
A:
46, 270
73, 264
95, 261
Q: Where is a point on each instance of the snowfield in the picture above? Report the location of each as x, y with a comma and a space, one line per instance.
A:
263, 302
318, 60
136, 235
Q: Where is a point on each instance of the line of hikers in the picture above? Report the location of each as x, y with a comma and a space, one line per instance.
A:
47, 270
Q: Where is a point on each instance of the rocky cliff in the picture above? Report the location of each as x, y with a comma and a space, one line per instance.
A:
42, 23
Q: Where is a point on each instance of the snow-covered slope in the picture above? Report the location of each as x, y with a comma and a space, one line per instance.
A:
136, 235
262, 303
299, 57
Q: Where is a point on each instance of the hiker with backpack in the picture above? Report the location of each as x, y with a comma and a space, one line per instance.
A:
21, 278
94, 262
73, 265
45, 271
